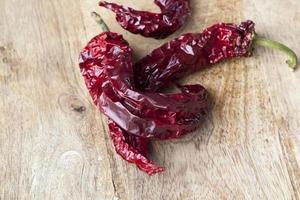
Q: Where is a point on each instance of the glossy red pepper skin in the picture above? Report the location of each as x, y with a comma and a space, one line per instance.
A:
192, 52
174, 14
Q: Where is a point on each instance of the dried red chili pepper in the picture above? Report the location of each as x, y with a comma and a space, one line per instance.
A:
174, 14
133, 149
191, 52
106, 64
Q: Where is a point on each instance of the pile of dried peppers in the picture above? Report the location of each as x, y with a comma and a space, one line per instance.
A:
128, 93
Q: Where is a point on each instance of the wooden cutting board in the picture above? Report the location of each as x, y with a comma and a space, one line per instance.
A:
54, 142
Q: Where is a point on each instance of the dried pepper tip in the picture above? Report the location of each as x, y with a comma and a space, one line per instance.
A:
100, 21
292, 57
130, 153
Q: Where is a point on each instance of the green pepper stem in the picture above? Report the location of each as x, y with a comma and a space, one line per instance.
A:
100, 21
292, 57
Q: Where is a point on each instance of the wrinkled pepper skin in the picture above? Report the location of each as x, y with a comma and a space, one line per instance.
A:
127, 94
130, 152
106, 64
174, 14
191, 52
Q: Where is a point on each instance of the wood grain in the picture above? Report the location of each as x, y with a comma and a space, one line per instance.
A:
54, 143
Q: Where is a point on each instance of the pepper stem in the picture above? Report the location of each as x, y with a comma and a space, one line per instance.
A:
292, 57
100, 21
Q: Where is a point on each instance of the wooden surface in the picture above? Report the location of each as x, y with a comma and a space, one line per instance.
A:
54, 143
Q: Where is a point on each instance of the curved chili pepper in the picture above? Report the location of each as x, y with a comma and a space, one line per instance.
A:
131, 148
174, 14
129, 98
106, 64
191, 52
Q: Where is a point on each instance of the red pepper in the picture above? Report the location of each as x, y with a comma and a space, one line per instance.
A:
106, 64
174, 14
195, 51
131, 148
130, 99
